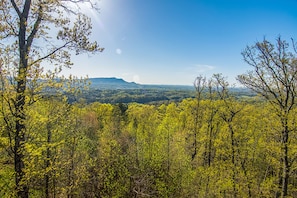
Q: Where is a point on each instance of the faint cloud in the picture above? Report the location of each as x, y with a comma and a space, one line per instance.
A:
203, 68
118, 51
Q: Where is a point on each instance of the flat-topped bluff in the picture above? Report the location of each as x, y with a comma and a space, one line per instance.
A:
112, 83
119, 83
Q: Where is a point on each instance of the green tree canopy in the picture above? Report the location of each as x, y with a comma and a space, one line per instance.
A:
32, 32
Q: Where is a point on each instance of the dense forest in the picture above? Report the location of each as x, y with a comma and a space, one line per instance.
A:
209, 146
142, 96
214, 143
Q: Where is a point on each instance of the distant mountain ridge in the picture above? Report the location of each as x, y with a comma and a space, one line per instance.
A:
112, 83
118, 83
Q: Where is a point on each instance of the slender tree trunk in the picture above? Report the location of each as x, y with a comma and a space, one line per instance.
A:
245, 171
21, 187
286, 167
47, 162
233, 160
199, 85
20, 128
210, 142
196, 128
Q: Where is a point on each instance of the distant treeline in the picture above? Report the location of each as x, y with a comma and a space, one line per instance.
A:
143, 96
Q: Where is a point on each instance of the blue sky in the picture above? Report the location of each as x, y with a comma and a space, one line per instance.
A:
173, 41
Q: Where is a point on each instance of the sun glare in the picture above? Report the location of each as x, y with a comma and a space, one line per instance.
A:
92, 8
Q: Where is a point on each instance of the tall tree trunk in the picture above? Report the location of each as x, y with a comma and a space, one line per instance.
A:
199, 85
47, 161
286, 167
22, 188
233, 160
20, 128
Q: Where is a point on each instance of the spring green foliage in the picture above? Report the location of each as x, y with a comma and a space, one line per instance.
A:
138, 150
32, 33
274, 78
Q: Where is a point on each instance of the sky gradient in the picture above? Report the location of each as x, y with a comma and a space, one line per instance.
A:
173, 41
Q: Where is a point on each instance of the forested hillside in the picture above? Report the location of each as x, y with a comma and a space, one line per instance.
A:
194, 148
213, 145
113, 90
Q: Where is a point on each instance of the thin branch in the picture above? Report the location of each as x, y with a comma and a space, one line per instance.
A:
35, 28
16, 8
51, 53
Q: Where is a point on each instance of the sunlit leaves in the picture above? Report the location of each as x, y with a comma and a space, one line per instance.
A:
274, 77
144, 149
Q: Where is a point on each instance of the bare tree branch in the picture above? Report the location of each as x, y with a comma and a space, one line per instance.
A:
16, 8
